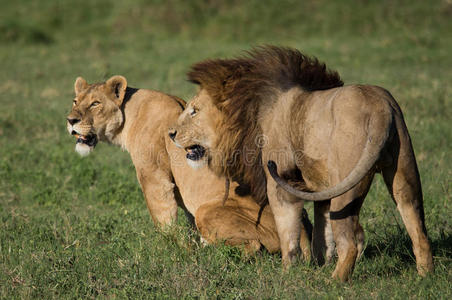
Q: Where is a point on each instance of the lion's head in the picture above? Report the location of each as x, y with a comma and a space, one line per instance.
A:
196, 129
211, 128
205, 132
96, 112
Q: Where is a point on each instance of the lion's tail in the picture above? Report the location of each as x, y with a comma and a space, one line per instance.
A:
375, 142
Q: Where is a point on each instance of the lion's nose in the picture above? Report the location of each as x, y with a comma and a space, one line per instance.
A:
73, 121
172, 133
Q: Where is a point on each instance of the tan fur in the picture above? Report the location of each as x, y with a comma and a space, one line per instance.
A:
330, 137
137, 120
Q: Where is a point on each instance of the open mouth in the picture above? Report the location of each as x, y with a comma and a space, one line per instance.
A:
90, 140
195, 152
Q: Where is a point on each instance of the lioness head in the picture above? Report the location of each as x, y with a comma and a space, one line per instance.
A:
196, 129
96, 112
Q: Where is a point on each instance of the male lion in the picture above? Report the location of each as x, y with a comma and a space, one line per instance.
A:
280, 107
138, 121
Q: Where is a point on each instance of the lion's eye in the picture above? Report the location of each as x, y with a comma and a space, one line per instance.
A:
193, 111
94, 104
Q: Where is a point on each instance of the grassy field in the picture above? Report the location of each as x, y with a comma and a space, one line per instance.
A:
74, 227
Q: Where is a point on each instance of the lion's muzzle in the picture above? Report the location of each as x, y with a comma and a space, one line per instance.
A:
90, 140
195, 152
84, 144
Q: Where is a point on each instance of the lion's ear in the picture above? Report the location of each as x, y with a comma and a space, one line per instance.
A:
80, 85
116, 87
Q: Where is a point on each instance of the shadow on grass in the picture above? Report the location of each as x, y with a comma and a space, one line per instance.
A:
400, 245
442, 246
396, 252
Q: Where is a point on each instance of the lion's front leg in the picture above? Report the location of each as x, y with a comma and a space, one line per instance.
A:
158, 189
287, 211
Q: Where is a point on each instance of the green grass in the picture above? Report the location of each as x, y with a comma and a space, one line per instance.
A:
79, 228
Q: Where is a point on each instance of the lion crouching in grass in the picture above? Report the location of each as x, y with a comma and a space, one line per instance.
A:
331, 137
138, 121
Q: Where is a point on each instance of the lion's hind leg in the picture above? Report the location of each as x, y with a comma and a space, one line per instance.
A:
359, 237
404, 185
344, 219
348, 233
323, 246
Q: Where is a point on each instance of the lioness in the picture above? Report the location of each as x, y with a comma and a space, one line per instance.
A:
138, 121
332, 137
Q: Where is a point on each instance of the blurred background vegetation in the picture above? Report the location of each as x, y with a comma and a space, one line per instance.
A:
165, 37
73, 227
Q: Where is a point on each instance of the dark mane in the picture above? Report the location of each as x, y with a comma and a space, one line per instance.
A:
263, 68
238, 86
